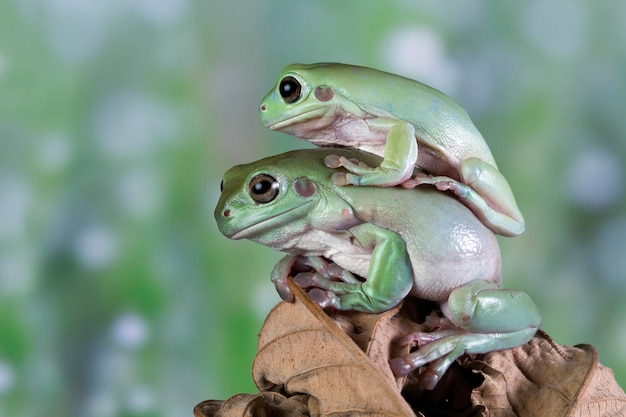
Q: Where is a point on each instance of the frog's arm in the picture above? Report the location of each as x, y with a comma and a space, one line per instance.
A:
482, 187
486, 317
389, 278
400, 155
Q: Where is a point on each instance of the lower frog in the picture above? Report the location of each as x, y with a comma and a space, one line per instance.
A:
383, 244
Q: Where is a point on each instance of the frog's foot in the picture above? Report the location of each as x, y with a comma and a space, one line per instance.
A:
280, 275
416, 180
345, 178
344, 292
326, 277
328, 291
442, 183
356, 170
481, 318
337, 161
292, 265
491, 198
441, 349
359, 173
484, 191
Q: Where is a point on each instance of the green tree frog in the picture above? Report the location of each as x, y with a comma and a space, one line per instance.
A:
342, 105
367, 248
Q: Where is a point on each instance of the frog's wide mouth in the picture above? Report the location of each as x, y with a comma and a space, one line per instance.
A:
264, 225
290, 121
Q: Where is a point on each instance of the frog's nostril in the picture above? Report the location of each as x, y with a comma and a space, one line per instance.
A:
226, 213
263, 107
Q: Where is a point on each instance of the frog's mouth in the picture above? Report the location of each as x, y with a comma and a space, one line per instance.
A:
276, 221
315, 117
293, 120
290, 120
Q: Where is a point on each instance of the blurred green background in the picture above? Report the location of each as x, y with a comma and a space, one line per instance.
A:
118, 295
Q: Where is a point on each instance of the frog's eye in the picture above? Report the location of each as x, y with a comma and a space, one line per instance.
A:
263, 188
290, 89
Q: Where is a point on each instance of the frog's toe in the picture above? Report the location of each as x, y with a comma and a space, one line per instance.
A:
411, 183
282, 287
419, 338
428, 377
358, 163
322, 298
332, 161
342, 178
307, 279
400, 366
440, 354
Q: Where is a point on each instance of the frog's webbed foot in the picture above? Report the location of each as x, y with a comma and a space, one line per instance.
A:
292, 265
442, 183
399, 156
483, 190
356, 169
313, 271
440, 349
327, 285
480, 318
359, 173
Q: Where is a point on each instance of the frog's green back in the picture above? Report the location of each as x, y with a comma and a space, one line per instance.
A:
440, 121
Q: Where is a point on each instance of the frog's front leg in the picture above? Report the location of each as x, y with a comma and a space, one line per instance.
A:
389, 277
302, 266
400, 155
487, 318
485, 191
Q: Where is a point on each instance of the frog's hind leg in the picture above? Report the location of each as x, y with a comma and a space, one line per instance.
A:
487, 319
441, 354
485, 191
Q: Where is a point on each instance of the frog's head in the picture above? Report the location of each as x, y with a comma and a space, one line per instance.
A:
259, 200
278, 199
304, 101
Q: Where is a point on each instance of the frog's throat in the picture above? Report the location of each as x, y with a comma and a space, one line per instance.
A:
270, 222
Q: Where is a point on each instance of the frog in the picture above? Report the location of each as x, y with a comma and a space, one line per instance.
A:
367, 248
406, 122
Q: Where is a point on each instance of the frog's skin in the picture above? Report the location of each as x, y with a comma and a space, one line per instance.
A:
383, 244
342, 105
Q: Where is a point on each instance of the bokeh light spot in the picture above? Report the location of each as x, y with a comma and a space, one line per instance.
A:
129, 331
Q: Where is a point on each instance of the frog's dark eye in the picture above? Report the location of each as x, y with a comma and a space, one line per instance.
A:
290, 89
263, 188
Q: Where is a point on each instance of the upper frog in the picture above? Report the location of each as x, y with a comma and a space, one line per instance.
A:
383, 244
402, 120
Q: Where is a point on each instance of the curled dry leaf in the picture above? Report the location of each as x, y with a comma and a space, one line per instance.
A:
542, 378
249, 405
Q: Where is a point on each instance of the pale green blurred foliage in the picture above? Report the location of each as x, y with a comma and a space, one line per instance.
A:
119, 297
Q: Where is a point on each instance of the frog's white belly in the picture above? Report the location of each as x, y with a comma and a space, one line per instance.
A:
434, 275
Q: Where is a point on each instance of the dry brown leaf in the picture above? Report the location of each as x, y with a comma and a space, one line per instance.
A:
377, 335
248, 405
541, 378
600, 395
302, 351
310, 363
